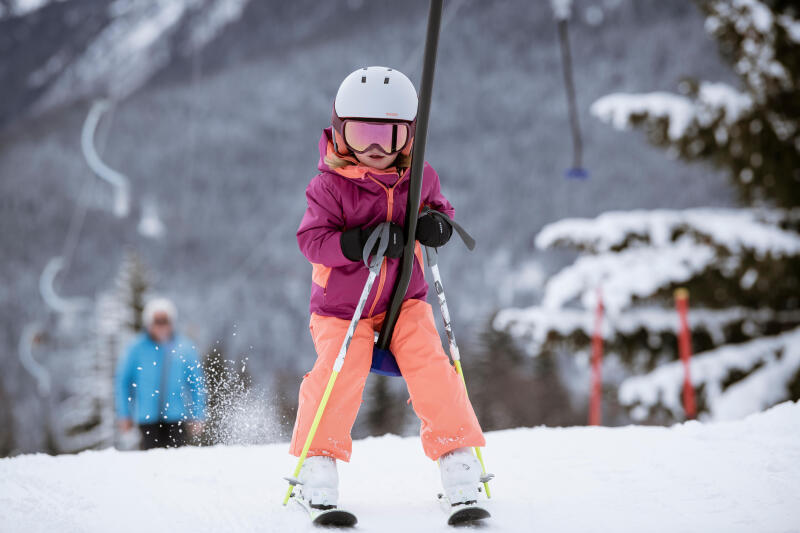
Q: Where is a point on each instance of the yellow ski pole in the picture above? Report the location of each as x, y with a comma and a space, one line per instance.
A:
454, 353
380, 235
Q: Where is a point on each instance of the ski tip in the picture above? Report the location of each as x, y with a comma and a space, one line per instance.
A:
468, 516
335, 518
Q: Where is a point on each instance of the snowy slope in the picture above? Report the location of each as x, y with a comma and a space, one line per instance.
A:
726, 477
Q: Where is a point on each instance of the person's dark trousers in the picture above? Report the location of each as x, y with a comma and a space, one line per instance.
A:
163, 435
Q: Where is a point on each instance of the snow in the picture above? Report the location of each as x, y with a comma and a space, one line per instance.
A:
733, 229
216, 17
792, 27
150, 224
713, 100
133, 46
779, 355
733, 477
619, 108
21, 8
717, 96
562, 9
756, 59
626, 275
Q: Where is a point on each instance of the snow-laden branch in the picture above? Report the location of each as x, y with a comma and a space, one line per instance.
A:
755, 57
770, 361
657, 249
733, 229
714, 101
619, 110
535, 324
627, 275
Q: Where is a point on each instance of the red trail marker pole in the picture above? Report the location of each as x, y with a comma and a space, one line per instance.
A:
685, 350
596, 396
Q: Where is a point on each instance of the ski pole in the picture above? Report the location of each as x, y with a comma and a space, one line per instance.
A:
433, 263
380, 235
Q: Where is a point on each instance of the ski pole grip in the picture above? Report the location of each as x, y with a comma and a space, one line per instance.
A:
380, 235
469, 241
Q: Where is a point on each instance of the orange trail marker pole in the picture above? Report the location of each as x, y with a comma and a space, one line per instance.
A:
685, 350
596, 396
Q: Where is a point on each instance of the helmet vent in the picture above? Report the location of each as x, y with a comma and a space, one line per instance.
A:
385, 81
363, 79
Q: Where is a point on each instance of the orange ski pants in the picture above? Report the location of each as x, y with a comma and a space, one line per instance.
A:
437, 393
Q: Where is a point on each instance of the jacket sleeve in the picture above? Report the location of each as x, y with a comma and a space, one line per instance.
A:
123, 381
195, 382
322, 226
434, 197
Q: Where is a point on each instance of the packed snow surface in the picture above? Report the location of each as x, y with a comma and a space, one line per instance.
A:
723, 477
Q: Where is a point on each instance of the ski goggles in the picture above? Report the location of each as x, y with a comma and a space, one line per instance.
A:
387, 136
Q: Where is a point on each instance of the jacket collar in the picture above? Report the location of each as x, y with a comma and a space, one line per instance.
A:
356, 170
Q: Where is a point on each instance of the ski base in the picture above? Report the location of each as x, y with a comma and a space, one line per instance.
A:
467, 514
333, 517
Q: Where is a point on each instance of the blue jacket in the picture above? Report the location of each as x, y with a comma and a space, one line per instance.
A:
160, 382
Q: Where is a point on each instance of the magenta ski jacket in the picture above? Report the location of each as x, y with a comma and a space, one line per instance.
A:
358, 196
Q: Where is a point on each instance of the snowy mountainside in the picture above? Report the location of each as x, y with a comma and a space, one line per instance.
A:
731, 477
107, 49
208, 145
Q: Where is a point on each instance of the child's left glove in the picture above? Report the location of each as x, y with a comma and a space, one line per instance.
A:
433, 230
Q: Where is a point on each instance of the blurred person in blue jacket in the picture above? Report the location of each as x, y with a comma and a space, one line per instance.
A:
159, 382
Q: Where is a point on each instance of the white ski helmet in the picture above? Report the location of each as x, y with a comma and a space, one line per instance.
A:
379, 93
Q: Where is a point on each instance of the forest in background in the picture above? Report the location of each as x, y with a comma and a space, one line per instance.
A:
221, 142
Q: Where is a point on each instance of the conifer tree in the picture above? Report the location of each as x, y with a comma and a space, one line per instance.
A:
740, 265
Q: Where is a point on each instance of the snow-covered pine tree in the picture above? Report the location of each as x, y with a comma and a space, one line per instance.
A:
753, 132
131, 289
509, 389
118, 318
740, 265
386, 410
7, 434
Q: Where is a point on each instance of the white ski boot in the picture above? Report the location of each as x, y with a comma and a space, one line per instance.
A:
319, 482
461, 476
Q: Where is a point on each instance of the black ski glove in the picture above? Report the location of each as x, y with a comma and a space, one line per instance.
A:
433, 230
353, 241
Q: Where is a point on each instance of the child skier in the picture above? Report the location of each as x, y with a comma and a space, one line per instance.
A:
364, 165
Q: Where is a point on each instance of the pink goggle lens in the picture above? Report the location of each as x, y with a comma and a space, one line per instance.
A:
388, 136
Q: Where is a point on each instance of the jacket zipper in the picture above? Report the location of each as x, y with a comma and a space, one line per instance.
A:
389, 208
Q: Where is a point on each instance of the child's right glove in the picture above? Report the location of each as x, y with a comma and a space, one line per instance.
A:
434, 230
353, 241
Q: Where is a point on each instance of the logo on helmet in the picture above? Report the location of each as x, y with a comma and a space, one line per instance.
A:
391, 114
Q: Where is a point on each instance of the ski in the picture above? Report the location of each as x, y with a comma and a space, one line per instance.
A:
463, 514
330, 517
